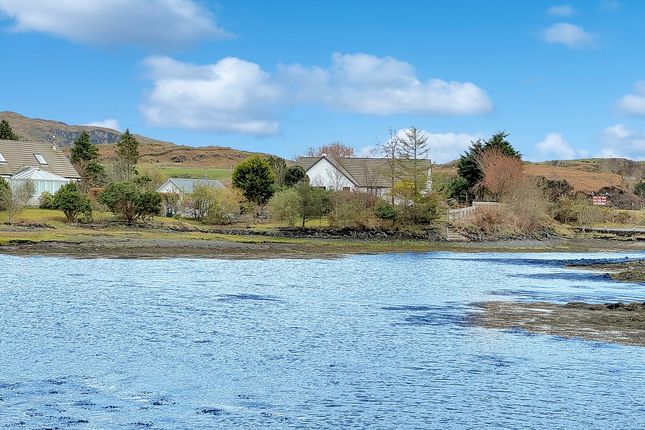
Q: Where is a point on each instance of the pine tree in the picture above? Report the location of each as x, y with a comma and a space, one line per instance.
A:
127, 151
414, 150
6, 133
83, 149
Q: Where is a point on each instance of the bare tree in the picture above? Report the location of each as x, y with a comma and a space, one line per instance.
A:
16, 198
335, 149
502, 173
390, 150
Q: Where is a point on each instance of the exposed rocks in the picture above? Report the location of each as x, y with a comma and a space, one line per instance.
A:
613, 322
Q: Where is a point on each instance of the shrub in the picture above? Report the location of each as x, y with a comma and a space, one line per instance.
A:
639, 189
349, 210
385, 211
126, 200
285, 206
5, 194
46, 201
170, 204
293, 175
72, 202
225, 209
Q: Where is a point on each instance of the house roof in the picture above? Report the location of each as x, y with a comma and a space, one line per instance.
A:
37, 174
187, 185
364, 172
18, 155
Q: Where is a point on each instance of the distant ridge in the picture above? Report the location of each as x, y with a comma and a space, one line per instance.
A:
153, 152
62, 134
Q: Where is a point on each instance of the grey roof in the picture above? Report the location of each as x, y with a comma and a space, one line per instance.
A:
363, 172
187, 185
21, 154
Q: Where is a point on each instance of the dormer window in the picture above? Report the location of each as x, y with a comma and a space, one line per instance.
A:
41, 159
2, 160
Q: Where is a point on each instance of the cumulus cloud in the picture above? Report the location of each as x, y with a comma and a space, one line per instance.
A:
231, 95
444, 147
368, 84
567, 34
106, 123
150, 23
634, 103
234, 95
561, 10
621, 141
555, 145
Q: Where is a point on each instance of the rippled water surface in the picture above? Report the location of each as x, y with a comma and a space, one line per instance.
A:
359, 342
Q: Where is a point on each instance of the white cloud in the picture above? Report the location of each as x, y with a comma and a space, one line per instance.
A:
367, 84
555, 145
567, 34
150, 23
634, 103
443, 147
234, 95
623, 142
106, 123
562, 10
231, 95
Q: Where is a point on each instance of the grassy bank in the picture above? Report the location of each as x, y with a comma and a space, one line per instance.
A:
37, 231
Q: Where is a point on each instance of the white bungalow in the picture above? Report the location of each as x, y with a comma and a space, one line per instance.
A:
39, 162
370, 175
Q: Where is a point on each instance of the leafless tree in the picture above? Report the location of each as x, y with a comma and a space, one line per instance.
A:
335, 149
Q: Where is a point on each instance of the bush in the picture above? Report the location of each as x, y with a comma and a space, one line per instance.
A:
349, 210
72, 202
126, 200
285, 206
5, 194
385, 211
639, 189
46, 201
293, 175
225, 209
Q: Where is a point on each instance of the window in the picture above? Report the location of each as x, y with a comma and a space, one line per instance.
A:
2, 160
40, 158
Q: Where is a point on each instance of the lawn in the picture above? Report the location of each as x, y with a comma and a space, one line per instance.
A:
221, 174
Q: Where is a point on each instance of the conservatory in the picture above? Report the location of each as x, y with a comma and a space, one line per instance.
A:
43, 182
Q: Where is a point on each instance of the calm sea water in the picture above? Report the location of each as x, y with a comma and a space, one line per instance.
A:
379, 342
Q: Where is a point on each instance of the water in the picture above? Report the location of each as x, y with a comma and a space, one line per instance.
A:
377, 342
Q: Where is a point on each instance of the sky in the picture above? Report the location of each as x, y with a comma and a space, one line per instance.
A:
564, 79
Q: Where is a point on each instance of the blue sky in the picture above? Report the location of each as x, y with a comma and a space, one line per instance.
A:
565, 79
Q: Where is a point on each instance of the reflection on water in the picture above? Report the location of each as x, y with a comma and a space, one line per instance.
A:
361, 342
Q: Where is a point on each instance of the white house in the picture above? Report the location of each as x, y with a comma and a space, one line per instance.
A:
183, 186
39, 162
370, 175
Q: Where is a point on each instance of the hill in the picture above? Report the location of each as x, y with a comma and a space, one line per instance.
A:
214, 162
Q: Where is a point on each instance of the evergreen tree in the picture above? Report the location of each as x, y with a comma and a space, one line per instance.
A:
468, 165
255, 178
83, 149
84, 154
127, 151
414, 149
6, 133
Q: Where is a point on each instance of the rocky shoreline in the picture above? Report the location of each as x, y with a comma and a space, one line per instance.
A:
622, 323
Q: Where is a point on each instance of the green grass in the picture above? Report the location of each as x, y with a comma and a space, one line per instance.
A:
191, 172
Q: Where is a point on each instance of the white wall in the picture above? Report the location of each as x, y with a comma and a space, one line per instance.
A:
324, 174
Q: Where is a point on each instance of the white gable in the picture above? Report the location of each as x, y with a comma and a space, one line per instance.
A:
325, 174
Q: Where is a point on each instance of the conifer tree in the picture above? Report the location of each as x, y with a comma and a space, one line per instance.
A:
6, 133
